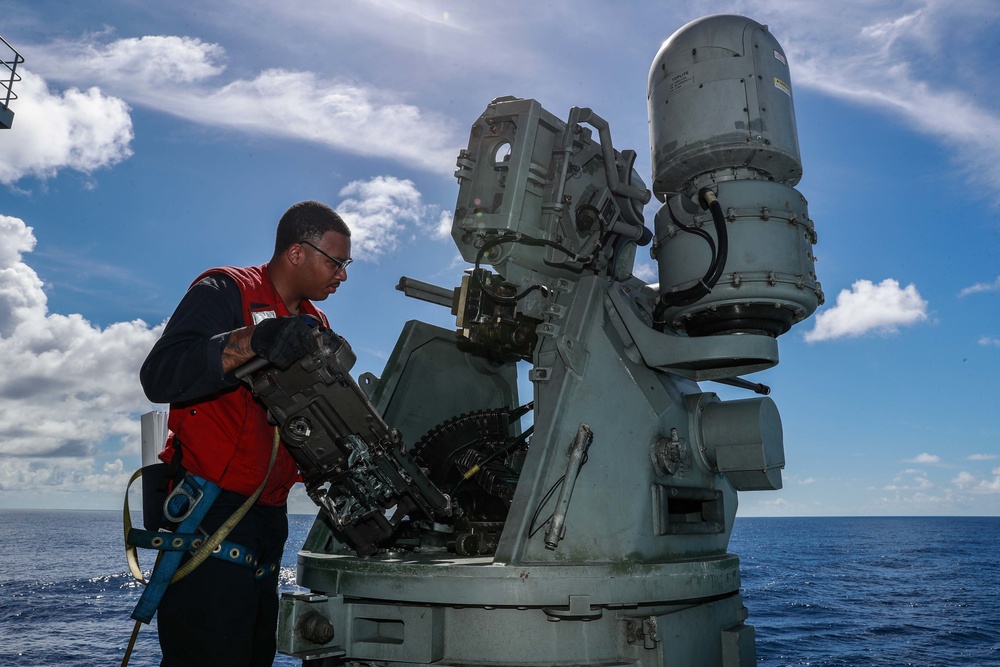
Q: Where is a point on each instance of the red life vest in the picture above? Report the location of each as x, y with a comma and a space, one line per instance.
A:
225, 438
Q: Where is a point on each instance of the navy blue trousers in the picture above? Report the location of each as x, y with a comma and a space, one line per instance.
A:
220, 615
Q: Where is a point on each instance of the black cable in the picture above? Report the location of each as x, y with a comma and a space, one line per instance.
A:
697, 231
541, 504
525, 240
716, 267
513, 415
512, 445
548, 494
720, 230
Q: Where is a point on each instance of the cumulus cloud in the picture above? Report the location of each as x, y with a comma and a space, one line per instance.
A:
868, 307
82, 130
182, 76
993, 485
964, 480
70, 389
981, 287
982, 457
988, 341
969, 482
925, 458
382, 211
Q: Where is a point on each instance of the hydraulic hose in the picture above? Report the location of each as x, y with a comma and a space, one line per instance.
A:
720, 254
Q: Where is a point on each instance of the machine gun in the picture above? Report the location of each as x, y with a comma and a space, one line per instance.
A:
354, 465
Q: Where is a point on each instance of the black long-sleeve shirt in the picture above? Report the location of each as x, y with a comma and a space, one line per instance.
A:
186, 362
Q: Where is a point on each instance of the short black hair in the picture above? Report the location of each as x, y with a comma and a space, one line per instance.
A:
307, 221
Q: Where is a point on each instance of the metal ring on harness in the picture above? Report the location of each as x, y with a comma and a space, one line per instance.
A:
183, 499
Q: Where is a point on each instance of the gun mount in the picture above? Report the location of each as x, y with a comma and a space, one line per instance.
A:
598, 534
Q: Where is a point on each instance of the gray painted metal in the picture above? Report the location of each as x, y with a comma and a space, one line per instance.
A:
614, 546
628, 560
769, 225
720, 97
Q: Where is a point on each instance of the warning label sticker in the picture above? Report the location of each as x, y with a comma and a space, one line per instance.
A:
780, 57
782, 86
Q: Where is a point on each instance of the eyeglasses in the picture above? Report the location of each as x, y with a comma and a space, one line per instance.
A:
342, 264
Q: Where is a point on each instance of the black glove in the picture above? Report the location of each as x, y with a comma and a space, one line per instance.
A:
282, 340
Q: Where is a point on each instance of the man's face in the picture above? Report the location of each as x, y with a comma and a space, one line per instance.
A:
323, 270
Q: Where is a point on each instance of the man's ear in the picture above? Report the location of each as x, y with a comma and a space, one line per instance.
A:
295, 254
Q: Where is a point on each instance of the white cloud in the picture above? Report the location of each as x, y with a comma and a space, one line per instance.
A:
70, 390
916, 484
991, 486
982, 457
968, 482
645, 272
981, 287
381, 210
868, 307
900, 58
964, 480
925, 458
443, 229
988, 341
150, 61
82, 130
182, 76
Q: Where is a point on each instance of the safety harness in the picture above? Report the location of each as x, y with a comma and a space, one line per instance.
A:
187, 505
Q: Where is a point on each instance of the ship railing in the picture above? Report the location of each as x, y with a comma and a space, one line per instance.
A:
9, 59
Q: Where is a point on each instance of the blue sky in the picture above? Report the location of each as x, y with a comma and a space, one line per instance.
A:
152, 141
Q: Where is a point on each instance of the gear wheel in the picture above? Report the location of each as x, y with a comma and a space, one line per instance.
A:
484, 430
453, 448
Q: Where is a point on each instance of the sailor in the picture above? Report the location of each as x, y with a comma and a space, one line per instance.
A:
225, 613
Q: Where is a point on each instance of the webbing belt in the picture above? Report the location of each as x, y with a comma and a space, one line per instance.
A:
201, 494
169, 561
227, 550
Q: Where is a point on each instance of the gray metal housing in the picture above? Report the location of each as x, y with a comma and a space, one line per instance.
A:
720, 97
614, 547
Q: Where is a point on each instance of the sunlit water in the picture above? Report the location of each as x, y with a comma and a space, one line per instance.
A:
831, 591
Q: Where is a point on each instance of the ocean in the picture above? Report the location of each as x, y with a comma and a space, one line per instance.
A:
845, 592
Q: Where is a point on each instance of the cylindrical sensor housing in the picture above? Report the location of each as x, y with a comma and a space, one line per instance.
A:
769, 281
721, 118
742, 439
720, 97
